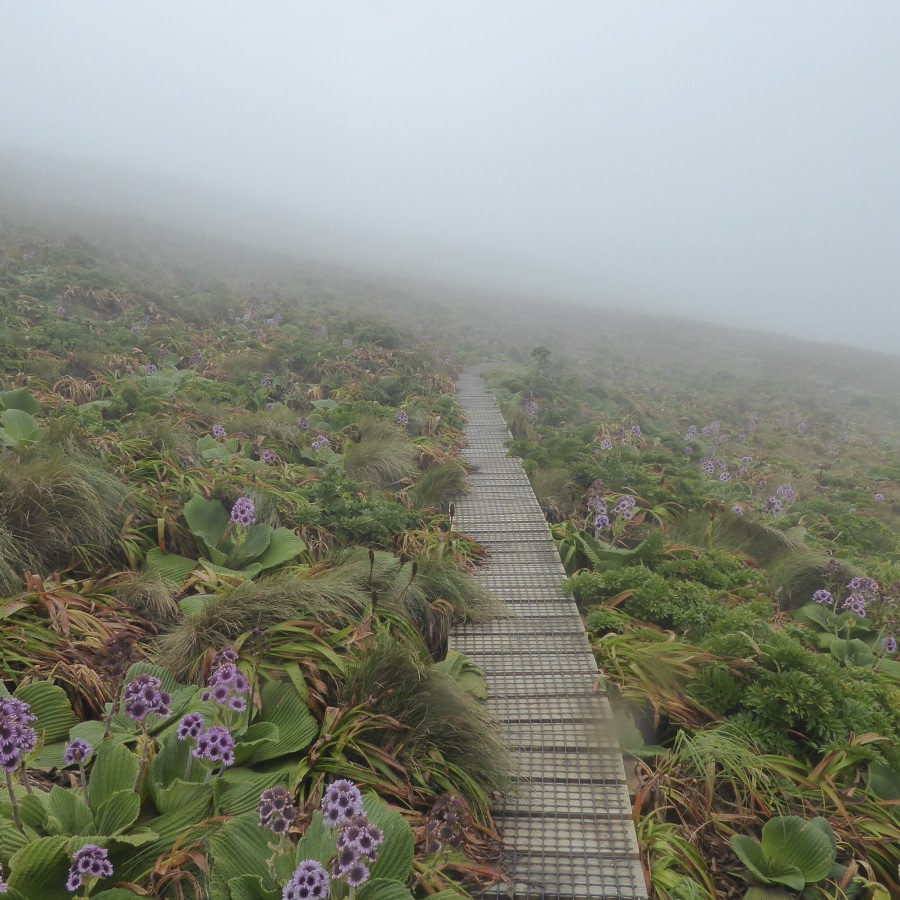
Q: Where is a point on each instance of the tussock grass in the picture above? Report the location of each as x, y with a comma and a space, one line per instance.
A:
149, 597
330, 597
439, 484
383, 455
55, 506
440, 717
554, 491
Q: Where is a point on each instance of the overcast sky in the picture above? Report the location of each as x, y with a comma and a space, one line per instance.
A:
736, 161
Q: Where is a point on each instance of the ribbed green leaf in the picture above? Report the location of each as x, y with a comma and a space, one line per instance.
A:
115, 894
791, 842
207, 519
238, 789
749, 851
33, 810
283, 547
115, 769
118, 813
67, 813
239, 847
297, 728
318, 842
251, 887
20, 398
11, 840
253, 739
384, 889
169, 566
50, 704
254, 542
179, 793
395, 855
19, 428
40, 869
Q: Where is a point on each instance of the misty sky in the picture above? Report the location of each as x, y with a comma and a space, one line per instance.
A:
736, 161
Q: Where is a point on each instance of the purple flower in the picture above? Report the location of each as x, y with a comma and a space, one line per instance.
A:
636, 430
218, 431
688, 450
856, 602
787, 493
78, 751
17, 737
625, 505
226, 682
310, 880
823, 596
320, 443
216, 745
724, 478
773, 506
4, 887
361, 835
531, 408
144, 696
606, 444
879, 497
190, 726
738, 509
347, 342
342, 800
746, 460
303, 424
601, 522
889, 644
276, 809
88, 863
243, 512
60, 310
150, 369
197, 356
402, 418
269, 457
135, 329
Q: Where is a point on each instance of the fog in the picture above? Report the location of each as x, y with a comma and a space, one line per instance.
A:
735, 162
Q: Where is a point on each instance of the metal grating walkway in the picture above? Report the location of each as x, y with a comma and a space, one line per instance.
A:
567, 829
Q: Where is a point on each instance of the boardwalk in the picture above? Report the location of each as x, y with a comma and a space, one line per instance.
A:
568, 830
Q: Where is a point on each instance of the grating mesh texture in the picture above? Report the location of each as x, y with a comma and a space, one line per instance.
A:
566, 827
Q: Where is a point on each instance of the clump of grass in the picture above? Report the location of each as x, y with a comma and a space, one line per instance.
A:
55, 507
327, 597
149, 597
383, 455
439, 484
441, 721
554, 491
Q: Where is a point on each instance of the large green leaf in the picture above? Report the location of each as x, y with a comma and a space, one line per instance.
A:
253, 543
19, 428
284, 545
239, 847
384, 889
884, 781
297, 728
791, 842
116, 894
238, 789
11, 839
251, 887
115, 769
20, 398
184, 793
50, 704
255, 737
169, 566
395, 855
207, 519
118, 813
318, 842
39, 870
68, 813
33, 810
749, 851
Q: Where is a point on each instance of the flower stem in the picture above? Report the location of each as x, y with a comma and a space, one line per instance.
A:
17, 819
145, 758
84, 784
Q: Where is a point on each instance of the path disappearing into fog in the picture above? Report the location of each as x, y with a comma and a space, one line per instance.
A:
567, 829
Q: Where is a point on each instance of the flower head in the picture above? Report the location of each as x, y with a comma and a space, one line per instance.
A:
145, 695
227, 682
243, 511
606, 444
402, 417
773, 506
135, 329
190, 726
218, 431
89, 862
276, 809
320, 443
531, 409
17, 737
269, 457
78, 751
342, 800
889, 644
310, 880
446, 823
60, 310
216, 745
150, 369
823, 596
636, 430
303, 424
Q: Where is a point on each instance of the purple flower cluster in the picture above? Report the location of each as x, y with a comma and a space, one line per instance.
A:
276, 809
218, 431
190, 727
320, 443
60, 310
227, 685
357, 849
786, 492
688, 450
310, 880
196, 357
342, 801
606, 444
708, 465
243, 512
625, 507
446, 823
889, 644
4, 887
150, 369
135, 329
738, 509
822, 596
531, 409
773, 506
89, 862
17, 737
78, 752
402, 417
862, 591
303, 424
269, 457
725, 478
347, 342
879, 497
216, 745
636, 430
145, 695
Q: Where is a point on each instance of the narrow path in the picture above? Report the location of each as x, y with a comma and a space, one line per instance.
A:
567, 831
